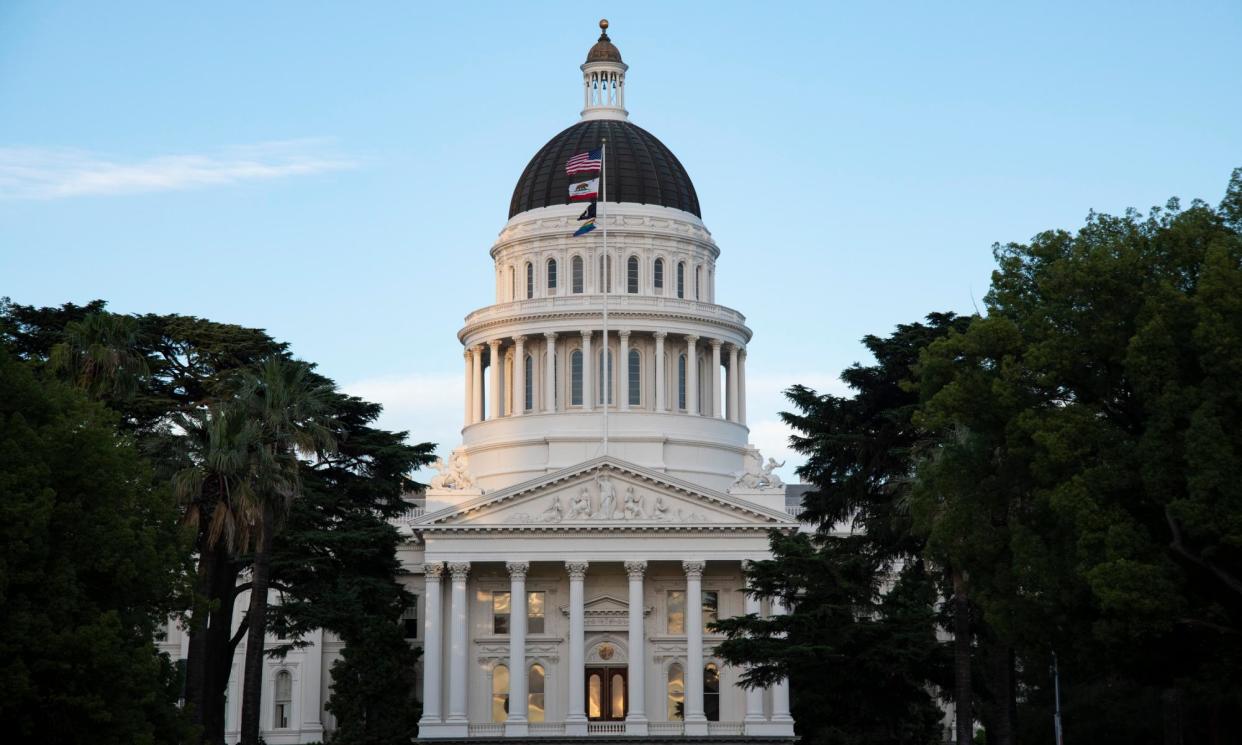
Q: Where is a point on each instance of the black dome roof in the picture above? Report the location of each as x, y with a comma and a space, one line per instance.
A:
640, 169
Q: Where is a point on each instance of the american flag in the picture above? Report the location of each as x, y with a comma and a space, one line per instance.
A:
587, 162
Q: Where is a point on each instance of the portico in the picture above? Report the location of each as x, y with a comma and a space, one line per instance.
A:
612, 641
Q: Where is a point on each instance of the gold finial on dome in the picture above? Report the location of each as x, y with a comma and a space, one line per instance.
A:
603, 51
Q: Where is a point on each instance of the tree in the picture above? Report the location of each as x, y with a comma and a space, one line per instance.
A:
372, 686
1097, 407
859, 643
91, 557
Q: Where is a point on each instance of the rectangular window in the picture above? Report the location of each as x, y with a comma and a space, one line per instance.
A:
711, 607
636, 370
535, 612
675, 615
409, 620
528, 396
551, 274
575, 378
657, 276
500, 612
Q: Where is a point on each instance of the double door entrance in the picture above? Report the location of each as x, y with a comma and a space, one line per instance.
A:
607, 693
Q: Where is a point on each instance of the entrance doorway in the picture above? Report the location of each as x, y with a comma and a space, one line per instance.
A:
607, 694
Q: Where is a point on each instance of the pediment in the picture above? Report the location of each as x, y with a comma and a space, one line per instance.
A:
604, 493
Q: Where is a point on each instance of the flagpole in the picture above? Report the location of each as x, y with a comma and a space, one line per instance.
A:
607, 281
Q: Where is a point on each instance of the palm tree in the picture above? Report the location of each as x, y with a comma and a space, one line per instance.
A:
220, 441
292, 408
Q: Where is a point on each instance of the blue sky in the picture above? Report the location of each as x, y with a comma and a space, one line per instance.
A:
336, 172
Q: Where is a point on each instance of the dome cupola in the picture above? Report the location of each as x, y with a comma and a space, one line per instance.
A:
603, 80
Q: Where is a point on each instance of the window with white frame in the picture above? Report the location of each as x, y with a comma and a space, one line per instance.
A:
575, 378
282, 698
530, 280
631, 275
502, 608
711, 692
576, 272
501, 602
528, 396
681, 279
534, 694
675, 612
681, 382
551, 276
676, 692
657, 276
635, 381
409, 621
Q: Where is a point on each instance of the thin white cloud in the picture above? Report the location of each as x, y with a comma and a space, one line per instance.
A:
58, 173
429, 407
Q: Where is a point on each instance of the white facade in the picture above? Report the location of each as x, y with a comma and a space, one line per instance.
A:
599, 511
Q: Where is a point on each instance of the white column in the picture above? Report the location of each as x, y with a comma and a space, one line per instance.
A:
519, 376
732, 378
692, 376
636, 719
476, 383
458, 642
588, 364
659, 371
780, 689
575, 719
549, 373
696, 721
469, 387
713, 373
433, 643
312, 681
741, 386
515, 725
754, 696
493, 388
623, 371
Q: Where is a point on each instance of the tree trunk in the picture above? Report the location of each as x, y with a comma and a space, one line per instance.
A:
252, 677
206, 678
962, 693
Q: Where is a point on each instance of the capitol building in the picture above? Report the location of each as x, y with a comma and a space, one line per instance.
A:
604, 499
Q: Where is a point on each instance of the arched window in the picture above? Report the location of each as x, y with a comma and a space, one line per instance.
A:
575, 378
676, 692
576, 269
681, 279
606, 376
636, 369
631, 275
282, 696
551, 276
698, 283
500, 693
530, 280
605, 273
681, 382
534, 694
657, 276
528, 370
711, 692
512, 284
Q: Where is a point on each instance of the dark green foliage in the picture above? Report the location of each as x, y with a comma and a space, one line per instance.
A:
372, 687
91, 563
1089, 476
862, 664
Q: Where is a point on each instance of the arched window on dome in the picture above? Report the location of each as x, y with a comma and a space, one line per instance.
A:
657, 276
606, 376
530, 280
636, 387
631, 275
605, 273
575, 378
534, 694
551, 276
528, 396
698, 283
576, 270
681, 279
681, 382
282, 697
676, 692
500, 693
711, 692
